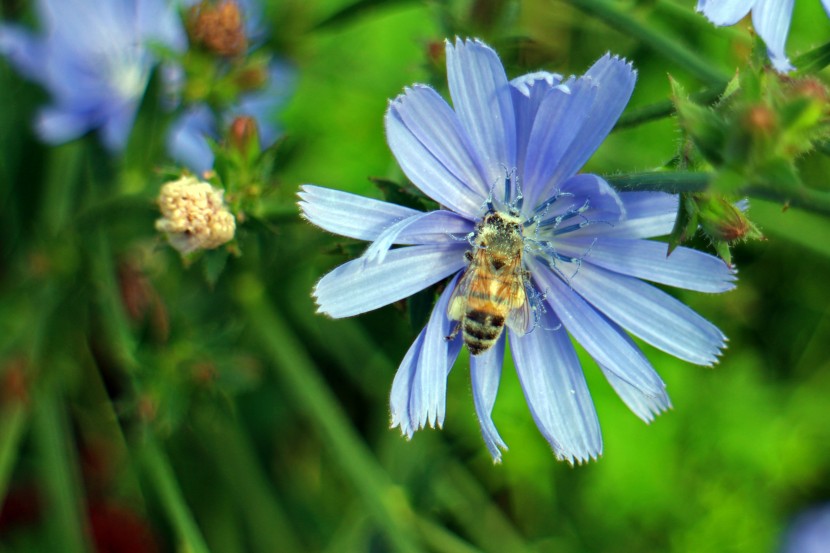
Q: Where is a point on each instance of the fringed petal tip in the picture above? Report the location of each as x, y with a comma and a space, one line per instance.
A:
619, 60
781, 64
576, 459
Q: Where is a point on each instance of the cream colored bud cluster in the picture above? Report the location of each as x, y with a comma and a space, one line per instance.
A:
194, 215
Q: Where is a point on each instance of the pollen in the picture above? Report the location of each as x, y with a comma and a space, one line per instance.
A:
194, 215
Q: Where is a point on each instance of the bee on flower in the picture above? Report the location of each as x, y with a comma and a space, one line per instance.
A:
534, 251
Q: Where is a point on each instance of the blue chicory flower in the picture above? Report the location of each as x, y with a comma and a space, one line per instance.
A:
95, 60
188, 140
514, 148
771, 19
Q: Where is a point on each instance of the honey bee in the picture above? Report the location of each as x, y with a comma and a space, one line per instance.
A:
491, 293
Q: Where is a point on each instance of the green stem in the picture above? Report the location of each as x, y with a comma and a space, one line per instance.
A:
60, 476
813, 61
383, 500
163, 479
657, 40
12, 424
62, 180
673, 182
267, 524
665, 108
808, 199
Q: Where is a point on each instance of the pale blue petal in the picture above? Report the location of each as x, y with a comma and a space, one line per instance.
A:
431, 120
556, 392
557, 121
433, 227
650, 314
481, 97
826, 4
356, 286
116, 128
724, 12
647, 215
615, 80
349, 214
426, 171
602, 340
645, 406
402, 387
597, 200
159, 22
187, 139
428, 397
485, 373
528, 91
23, 50
646, 259
55, 125
771, 19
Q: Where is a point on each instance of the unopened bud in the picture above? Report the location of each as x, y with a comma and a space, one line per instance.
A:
194, 215
219, 28
722, 221
243, 135
760, 119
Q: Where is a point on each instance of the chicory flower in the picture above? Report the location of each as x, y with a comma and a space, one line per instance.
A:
511, 150
95, 60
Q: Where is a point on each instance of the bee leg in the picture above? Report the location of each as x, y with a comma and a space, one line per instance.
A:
455, 330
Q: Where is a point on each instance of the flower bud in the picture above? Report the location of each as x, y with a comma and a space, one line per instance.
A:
219, 28
722, 221
194, 215
244, 135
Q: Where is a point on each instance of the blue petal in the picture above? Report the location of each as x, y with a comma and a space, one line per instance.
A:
558, 120
402, 387
187, 139
771, 19
615, 80
645, 406
556, 392
23, 50
117, 126
428, 399
601, 203
431, 120
56, 125
826, 4
425, 171
602, 340
724, 12
159, 22
528, 91
646, 259
419, 391
485, 373
356, 287
650, 314
647, 214
349, 214
423, 228
481, 97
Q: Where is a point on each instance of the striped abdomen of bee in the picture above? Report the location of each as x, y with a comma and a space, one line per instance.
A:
491, 292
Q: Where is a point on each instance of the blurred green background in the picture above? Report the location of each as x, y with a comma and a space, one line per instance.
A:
143, 399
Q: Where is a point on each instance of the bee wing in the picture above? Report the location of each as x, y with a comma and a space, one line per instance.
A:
520, 319
458, 299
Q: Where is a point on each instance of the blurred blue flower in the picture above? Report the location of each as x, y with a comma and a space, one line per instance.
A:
515, 148
95, 60
188, 141
771, 19
809, 532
